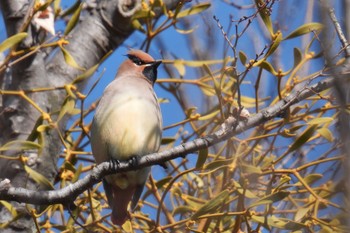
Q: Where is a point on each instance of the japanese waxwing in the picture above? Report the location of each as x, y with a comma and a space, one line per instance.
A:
127, 124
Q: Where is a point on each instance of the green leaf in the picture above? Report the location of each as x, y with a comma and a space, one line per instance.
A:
267, 66
265, 15
67, 108
202, 157
182, 210
326, 133
272, 198
166, 141
39, 178
9, 207
212, 204
303, 138
301, 212
276, 42
242, 57
242, 191
310, 179
71, 10
161, 183
217, 163
69, 59
282, 223
320, 120
73, 20
13, 40
193, 10
304, 29
20, 145
297, 56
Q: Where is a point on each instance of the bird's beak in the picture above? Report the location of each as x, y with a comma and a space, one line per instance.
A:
155, 64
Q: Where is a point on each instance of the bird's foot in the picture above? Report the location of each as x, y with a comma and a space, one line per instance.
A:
114, 164
134, 161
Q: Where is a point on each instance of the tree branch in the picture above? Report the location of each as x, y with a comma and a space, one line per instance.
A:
230, 128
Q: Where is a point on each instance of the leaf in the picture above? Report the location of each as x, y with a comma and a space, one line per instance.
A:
161, 183
67, 107
39, 178
212, 204
250, 169
265, 15
276, 42
297, 56
267, 66
20, 145
304, 29
303, 138
193, 10
9, 207
73, 20
320, 120
202, 157
217, 163
69, 59
178, 64
182, 210
272, 198
245, 192
301, 212
166, 141
282, 223
310, 179
13, 40
242, 57
326, 133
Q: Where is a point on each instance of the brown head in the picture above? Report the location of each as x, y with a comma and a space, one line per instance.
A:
141, 65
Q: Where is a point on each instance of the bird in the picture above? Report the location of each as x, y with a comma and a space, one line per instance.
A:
127, 124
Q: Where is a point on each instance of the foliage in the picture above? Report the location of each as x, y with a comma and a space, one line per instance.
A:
285, 174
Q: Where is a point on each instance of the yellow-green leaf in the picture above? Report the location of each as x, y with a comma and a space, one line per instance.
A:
161, 183
193, 10
304, 29
310, 179
9, 207
242, 57
73, 20
69, 59
297, 56
13, 40
212, 204
209, 115
20, 145
202, 157
178, 64
320, 120
267, 66
39, 178
182, 210
265, 15
326, 133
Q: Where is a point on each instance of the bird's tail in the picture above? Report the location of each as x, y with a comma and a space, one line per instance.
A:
119, 204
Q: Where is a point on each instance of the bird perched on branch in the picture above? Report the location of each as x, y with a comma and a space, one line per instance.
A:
127, 124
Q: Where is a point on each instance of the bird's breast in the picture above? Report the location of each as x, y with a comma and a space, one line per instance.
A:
129, 124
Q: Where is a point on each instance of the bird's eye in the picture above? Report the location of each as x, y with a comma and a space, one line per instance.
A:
136, 60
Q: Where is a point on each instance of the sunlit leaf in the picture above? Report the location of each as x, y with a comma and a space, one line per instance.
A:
184, 209
193, 10
13, 40
320, 120
265, 15
301, 213
310, 179
73, 20
306, 28
297, 56
38, 178
242, 191
69, 59
9, 207
326, 133
242, 57
20, 145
